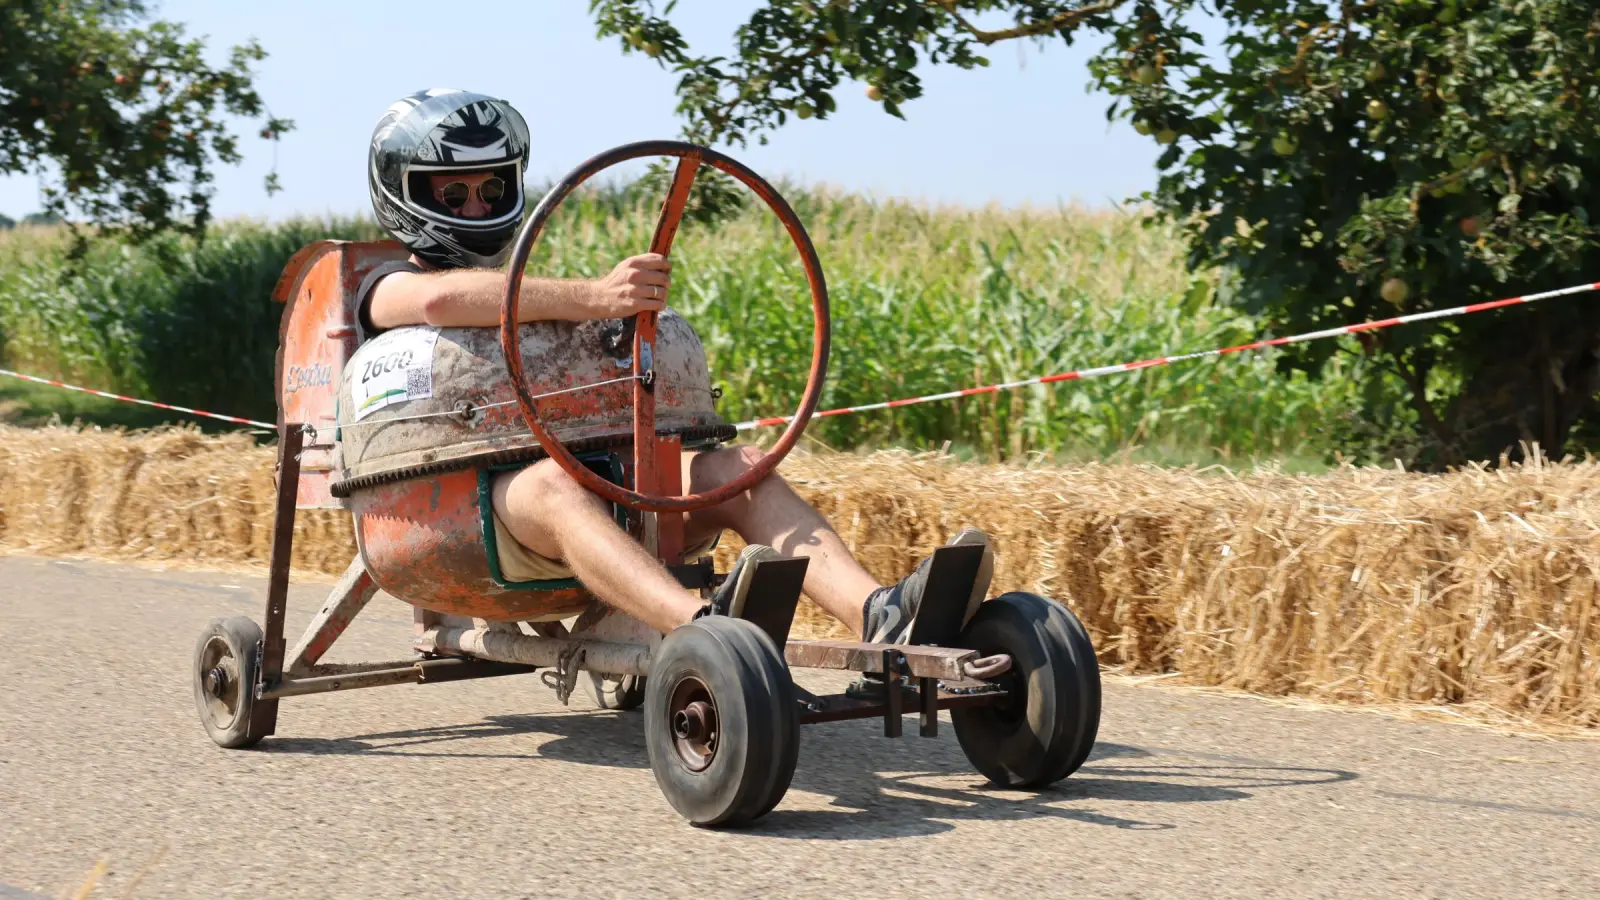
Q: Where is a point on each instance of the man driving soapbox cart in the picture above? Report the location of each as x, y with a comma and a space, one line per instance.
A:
412, 431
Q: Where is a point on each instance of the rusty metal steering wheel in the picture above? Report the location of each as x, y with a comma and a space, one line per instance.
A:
690, 157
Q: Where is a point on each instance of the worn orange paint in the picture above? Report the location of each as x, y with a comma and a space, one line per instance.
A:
422, 542
669, 483
315, 337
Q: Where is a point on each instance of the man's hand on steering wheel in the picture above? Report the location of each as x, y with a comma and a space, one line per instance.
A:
638, 284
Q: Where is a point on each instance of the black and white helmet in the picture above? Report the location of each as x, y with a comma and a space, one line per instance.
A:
455, 131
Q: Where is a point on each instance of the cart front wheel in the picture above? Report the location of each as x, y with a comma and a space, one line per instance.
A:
721, 723
1046, 726
226, 660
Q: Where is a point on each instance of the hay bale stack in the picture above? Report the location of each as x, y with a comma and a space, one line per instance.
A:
1475, 588
166, 494
1366, 585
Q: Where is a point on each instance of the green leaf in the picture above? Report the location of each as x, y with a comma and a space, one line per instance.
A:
1194, 299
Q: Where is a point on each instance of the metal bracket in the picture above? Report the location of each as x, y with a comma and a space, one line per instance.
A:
775, 589
471, 412
565, 677
808, 701
695, 576
951, 574
894, 703
928, 706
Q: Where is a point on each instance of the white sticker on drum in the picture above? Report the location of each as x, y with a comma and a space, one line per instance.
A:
394, 367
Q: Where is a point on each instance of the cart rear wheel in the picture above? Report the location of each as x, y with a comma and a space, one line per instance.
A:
1045, 729
721, 723
615, 691
226, 660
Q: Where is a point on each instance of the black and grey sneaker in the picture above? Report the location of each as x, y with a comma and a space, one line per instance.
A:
889, 612
730, 596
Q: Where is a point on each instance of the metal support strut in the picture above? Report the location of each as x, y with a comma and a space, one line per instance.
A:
893, 707
264, 713
928, 706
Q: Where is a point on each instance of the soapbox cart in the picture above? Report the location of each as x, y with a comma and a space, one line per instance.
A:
386, 430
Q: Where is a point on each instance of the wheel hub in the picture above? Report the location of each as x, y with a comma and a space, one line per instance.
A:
219, 679
692, 714
696, 722
216, 682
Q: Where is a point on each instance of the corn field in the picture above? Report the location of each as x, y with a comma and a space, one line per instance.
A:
924, 300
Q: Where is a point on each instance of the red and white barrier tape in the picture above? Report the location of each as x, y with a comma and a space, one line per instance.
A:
1183, 357
183, 409
988, 388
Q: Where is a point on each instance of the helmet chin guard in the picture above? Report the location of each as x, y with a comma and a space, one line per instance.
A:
447, 130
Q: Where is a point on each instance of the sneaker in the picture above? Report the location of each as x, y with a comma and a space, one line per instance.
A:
730, 596
890, 611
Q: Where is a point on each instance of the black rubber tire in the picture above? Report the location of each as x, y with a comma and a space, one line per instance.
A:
758, 732
614, 692
1045, 731
233, 645
757, 641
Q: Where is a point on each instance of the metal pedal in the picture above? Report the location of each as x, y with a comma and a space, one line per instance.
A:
944, 602
775, 587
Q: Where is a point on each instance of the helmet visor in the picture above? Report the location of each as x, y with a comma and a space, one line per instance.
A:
501, 191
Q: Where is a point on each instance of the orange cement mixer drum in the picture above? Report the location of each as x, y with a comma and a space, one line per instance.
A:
426, 399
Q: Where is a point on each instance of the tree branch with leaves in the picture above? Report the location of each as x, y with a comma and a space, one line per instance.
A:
792, 56
119, 116
1332, 161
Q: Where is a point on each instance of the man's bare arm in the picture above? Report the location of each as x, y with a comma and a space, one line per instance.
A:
472, 297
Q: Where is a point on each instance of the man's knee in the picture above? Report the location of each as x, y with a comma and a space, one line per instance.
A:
715, 468
544, 489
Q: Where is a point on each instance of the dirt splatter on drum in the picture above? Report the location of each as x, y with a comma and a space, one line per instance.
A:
417, 400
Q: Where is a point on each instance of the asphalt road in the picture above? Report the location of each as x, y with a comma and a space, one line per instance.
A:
492, 789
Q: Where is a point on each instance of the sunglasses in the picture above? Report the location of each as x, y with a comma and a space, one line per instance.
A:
456, 193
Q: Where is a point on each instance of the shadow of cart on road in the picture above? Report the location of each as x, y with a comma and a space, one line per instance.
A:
875, 788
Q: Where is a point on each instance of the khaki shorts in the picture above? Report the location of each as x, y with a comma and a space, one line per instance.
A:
518, 563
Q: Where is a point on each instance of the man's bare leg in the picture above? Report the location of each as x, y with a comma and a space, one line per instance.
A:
772, 513
550, 514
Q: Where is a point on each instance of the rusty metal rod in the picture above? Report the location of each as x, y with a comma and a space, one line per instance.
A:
344, 603
840, 707
425, 671
606, 657
323, 670
264, 714
296, 687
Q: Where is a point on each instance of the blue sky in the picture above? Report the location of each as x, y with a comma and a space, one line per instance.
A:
1023, 131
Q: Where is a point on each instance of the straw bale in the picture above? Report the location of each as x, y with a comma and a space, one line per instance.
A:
1475, 589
